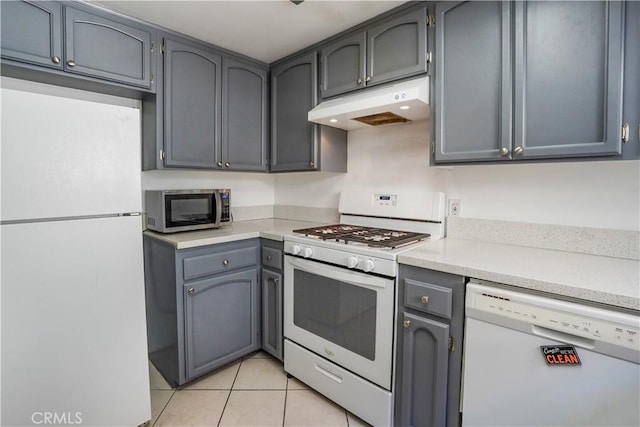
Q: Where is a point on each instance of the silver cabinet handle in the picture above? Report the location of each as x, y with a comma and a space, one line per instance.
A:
424, 299
359, 81
227, 164
311, 164
504, 151
518, 150
71, 63
225, 262
55, 59
191, 291
368, 78
219, 164
269, 257
406, 323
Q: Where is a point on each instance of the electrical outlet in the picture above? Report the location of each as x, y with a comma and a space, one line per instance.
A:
454, 207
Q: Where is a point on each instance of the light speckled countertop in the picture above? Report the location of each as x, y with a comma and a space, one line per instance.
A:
274, 229
607, 280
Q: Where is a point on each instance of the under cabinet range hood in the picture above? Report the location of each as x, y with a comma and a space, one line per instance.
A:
397, 103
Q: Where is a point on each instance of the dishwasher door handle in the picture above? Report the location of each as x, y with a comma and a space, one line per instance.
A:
564, 337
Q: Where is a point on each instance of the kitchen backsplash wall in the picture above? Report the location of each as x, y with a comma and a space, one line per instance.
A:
247, 189
585, 194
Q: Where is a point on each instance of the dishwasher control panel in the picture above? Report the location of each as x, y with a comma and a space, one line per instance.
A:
576, 320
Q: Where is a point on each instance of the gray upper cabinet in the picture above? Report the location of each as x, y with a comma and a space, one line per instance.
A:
397, 48
124, 53
294, 140
547, 100
244, 117
192, 99
296, 143
568, 103
631, 93
31, 32
473, 80
343, 65
391, 50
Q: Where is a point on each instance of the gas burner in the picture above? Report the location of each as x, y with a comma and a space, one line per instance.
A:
370, 236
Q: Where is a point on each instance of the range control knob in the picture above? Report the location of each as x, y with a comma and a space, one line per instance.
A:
295, 249
307, 252
352, 262
369, 265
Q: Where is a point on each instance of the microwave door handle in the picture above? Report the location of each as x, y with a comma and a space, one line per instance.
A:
218, 207
363, 280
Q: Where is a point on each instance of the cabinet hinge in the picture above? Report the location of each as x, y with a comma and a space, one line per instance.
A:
429, 57
152, 78
162, 48
153, 45
162, 154
452, 345
433, 149
625, 132
431, 21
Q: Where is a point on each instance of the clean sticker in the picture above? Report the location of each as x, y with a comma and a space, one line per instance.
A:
560, 355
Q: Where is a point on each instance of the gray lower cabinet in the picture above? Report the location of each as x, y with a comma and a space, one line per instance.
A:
203, 305
429, 348
512, 80
63, 36
245, 117
221, 320
296, 143
392, 49
272, 297
192, 105
31, 32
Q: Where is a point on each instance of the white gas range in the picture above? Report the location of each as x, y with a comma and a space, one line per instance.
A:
340, 291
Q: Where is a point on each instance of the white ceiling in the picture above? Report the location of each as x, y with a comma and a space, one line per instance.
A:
262, 29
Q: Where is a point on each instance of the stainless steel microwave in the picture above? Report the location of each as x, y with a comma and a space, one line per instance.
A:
170, 211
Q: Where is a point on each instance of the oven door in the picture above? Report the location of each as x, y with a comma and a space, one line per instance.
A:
342, 315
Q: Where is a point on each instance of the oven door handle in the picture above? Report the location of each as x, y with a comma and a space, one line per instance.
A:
352, 277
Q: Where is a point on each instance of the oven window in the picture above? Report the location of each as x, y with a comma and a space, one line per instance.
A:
339, 312
189, 209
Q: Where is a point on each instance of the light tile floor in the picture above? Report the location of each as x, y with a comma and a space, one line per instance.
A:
254, 391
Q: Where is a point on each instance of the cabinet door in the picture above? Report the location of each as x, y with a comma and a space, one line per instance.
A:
568, 78
631, 94
32, 32
343, 65
192, 98
106, 48
294, 140
244, 117
272, 313
425, 356
473, 81
397, 48
221, 320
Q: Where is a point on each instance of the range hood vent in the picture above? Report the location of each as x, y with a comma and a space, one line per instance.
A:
397, 103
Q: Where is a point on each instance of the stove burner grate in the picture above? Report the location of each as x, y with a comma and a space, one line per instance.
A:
370, 236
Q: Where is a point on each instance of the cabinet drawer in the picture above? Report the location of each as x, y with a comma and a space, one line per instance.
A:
205, 265
272, 258
428, 298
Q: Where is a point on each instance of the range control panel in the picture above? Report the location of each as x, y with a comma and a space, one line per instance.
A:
592, 323
385, 199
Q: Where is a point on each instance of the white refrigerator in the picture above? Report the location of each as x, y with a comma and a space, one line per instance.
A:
73, 334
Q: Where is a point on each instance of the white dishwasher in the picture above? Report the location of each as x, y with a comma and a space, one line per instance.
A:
530, 360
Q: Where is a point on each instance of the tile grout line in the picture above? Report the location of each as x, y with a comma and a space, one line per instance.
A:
230, 390
286, 395
173, 392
